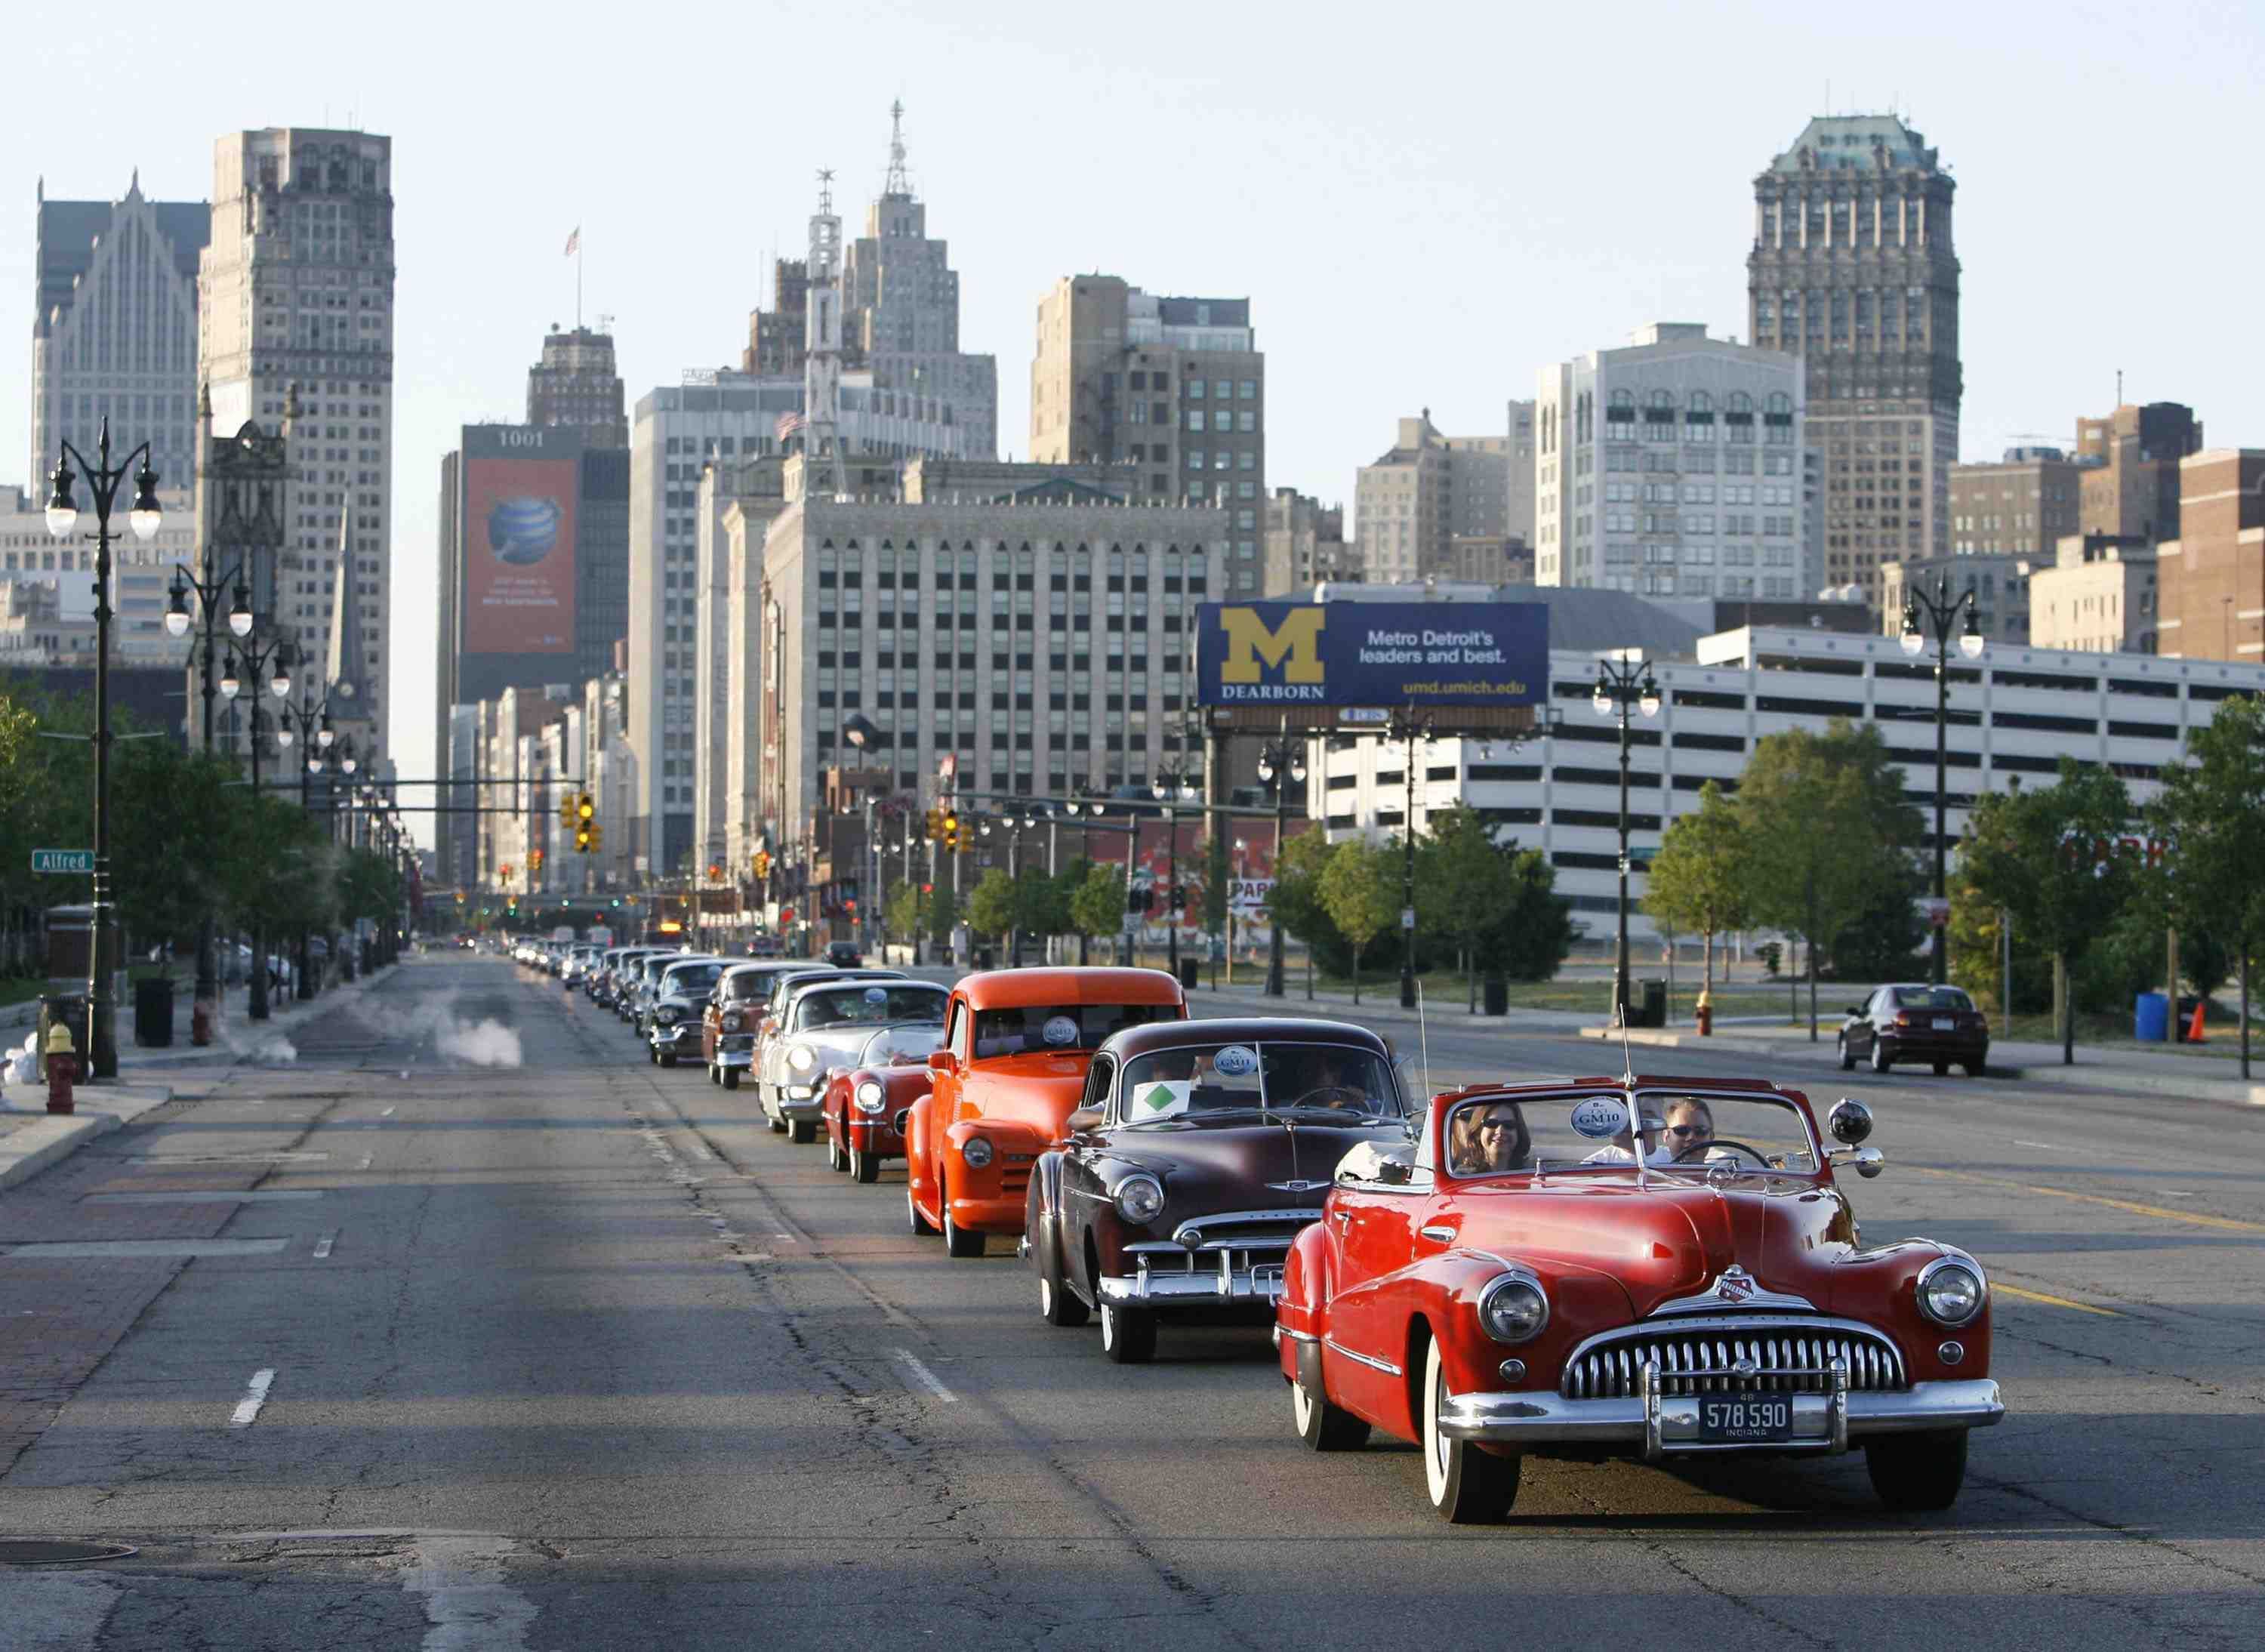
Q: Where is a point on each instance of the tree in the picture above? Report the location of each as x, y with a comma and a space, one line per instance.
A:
1698, 880
991, 908
1295, 900
2030, 852
1535, 930
943, 915
2213, 810
1826, 826
1097, 906
1464, 885
1360, 893
902, 913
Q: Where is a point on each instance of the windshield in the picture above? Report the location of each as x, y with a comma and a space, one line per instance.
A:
1330, 1080
907, 1043
749, 983
1050, 1028
869, 1004
691, 977
1929, 998
1684, 1134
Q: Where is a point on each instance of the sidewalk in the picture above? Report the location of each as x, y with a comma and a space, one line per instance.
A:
32, 1139
2134, 1072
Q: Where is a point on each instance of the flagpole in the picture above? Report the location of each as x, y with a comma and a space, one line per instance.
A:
578, 278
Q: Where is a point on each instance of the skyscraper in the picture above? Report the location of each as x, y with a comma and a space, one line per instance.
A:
575, 384
296, 289
114, 328
1854, 270
1173, 389
1423, 493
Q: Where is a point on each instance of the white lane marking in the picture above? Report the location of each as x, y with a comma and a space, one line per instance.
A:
323, 1246
2047, 1145
223, 1158
388, 1113
255, 1396
144, 1248
2172, 1193
194, 1198
365, 1157
923, 1376
700, 1151
467, 1603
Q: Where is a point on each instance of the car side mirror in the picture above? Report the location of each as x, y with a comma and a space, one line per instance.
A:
1850, 1121
1867, 1161
940, 1061
1084, 1118
1856, 1010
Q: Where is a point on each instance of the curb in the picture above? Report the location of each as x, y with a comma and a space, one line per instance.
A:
50, 1136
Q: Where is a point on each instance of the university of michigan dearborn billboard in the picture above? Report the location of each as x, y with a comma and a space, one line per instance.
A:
1309, 654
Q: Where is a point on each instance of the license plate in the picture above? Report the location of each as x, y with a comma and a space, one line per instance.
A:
1745, 1420
1943, 1024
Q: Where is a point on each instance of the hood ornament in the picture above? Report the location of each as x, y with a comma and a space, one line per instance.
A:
1736, 1285
1300, 1186
1737, 1288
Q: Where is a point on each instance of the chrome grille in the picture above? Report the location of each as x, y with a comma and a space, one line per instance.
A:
1693, 1360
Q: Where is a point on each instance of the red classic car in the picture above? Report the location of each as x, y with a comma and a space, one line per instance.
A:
866, 1102
1642, 1268
1016, 1046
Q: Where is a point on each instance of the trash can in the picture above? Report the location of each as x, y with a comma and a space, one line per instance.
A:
153, 1012
1497, 995
983, 958
1191, 971
69, 1008
2150, 1017
1653, 1010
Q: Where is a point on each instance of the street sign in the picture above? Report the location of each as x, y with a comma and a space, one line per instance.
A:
1407, 917
62, 860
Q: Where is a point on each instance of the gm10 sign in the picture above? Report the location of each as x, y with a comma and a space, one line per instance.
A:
1372, 654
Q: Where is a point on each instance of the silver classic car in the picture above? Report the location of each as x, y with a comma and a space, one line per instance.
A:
826, 1024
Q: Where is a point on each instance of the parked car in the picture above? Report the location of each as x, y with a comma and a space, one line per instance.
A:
1198, 1151
1914, 1021
865, 1104
1646, 1269
677, 996
728, 1021
823, 1024
843, 954
1016, 1044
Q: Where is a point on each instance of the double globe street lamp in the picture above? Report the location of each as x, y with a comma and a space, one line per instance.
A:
248, 657
239, 620
1939, 611
1171, 787
102, 480
1624, 684
1281, 765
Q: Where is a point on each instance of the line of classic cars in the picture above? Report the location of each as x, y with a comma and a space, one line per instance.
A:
1647, 1267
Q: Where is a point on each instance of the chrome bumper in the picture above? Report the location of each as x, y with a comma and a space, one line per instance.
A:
726, 1057
800, 1109
1660, 1426
1261, 1284
671, 1037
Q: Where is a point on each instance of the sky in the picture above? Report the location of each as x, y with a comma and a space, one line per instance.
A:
1424, 206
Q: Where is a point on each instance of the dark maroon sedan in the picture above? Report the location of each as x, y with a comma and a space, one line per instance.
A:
1912, 1021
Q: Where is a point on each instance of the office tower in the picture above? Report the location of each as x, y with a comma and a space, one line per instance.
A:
1854, 270
1671, 467
2021, 506
575, 385
2133, 482
1422, 494
2213, 574
1173, 390
115, 329
295, 292
1305, 545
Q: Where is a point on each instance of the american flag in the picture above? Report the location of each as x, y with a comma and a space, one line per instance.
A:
788, 424
574, 242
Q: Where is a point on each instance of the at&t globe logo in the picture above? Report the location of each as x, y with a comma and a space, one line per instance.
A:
523, 531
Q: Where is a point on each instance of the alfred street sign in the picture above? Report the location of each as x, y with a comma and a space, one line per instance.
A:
62, 860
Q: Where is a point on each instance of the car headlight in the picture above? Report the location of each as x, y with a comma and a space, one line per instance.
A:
801, 1058
1951, 1291
1139, 1198
731, 1020
977, 1153
665, 1015
869, 1096
1513, 1308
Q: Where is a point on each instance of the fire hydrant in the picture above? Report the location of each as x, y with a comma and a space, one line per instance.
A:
1706, 1012
62, 1068
201, 1023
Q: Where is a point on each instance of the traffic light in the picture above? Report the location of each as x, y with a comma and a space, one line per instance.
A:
566, 810
762, 863
1179, 899
715, 872
951, 828
585, 837
597, 837
935, 824
1138, 896
584, 809
536, 860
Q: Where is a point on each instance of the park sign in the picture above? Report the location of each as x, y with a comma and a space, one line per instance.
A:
62, 860
1484, 664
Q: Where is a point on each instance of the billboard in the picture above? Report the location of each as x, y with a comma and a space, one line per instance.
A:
518, 549
1289, 655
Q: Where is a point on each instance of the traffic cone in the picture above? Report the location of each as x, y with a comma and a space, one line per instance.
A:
2193, 1028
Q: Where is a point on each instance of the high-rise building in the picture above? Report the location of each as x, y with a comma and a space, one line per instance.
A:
2131, 486
1305, 545
1854, 272
1672, 468
1173, 390
2024, 505
575, 385
2213, 574
296, 289
2100, 594
1425, 491
114, 328
1999, 584
1519, 511
899, 316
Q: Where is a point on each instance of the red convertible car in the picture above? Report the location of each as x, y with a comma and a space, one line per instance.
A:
1633, 1268
866, 1102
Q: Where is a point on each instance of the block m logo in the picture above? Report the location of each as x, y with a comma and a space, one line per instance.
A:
1294, 648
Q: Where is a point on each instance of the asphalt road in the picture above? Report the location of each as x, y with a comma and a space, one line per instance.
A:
570, 1351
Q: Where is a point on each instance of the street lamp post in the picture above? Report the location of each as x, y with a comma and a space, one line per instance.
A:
102, 481
251, 655
1407, 725
1171, 785
239, 619
1281, 764
308, 720
1624, 684
1938, 610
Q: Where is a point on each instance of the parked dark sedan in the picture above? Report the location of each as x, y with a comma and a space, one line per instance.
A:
1200, 1150
1912, 1021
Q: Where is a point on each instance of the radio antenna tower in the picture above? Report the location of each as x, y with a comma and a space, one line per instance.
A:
898, 184
821, 380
